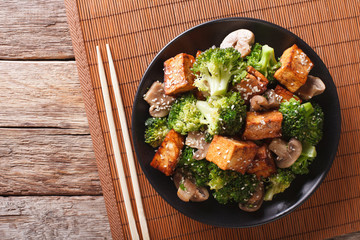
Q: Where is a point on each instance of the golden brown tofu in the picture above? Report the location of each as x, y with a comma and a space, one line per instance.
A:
285, 94
261, 125
263, 164
257, 74
251, 86
178, 75
167, 156
230, 154
295, 67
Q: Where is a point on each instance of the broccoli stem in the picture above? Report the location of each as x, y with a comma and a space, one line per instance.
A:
210, 114
218, 86
308, 108
267, 57
308, 150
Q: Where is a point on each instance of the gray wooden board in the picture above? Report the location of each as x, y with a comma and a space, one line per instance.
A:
41, 94
53, 217
47, 162
34, 29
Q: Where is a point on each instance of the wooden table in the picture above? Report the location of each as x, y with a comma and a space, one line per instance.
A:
49, 185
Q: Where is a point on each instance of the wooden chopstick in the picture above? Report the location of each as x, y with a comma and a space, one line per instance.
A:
115, 145
128, 148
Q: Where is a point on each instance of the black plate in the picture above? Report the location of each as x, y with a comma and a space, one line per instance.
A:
210, 212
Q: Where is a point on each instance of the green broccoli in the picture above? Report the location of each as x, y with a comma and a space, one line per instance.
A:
225, 115
215, 68
278, 183
262, 58
156, 130
184, 116
208, 137
308, 154
302, 121
197, 169
230, 186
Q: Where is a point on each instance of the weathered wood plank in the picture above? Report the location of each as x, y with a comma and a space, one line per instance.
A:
45, 146
41, 94
53, 218
34, 29
47, 162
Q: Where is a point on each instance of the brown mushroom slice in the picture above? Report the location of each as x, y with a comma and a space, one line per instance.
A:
255, 201
197, 140
274, 99
201, 194
186, 190
241, 40
177, 178
262, 103
258, 103
312, 87
159, 102
287, 152
189, 190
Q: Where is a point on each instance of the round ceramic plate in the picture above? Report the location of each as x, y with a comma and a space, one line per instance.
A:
211, 212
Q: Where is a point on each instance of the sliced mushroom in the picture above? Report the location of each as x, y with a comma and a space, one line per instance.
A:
313, 86
255, 201
241, 40
258, 103
201, 194
287, 153
159, 102
261, 103
197, 140
274, 99
188, 190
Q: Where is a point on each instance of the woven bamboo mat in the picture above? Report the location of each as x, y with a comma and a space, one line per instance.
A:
137, 30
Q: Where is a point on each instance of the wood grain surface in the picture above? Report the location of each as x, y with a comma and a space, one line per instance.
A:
49, 185
34, 29
48, 174
42, 94
53, 218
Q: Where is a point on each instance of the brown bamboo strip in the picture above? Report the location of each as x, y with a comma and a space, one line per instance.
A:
137, 30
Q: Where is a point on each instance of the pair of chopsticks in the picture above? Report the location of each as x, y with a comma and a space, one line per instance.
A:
116, 148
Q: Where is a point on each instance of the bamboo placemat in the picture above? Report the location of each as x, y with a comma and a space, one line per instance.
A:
137, 30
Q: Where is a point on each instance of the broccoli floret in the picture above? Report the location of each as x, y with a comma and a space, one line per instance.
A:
230, 186
262, 58
308, 154
224, 115
278, 183
302, 121
197, 169
184, 116
156, 130
215, 68
208, 137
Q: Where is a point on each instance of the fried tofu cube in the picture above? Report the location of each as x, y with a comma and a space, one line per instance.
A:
261, 125
178, 76
295, 67
263, 165
230, 154
251, 86
257, 74
285, 94
167, 155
